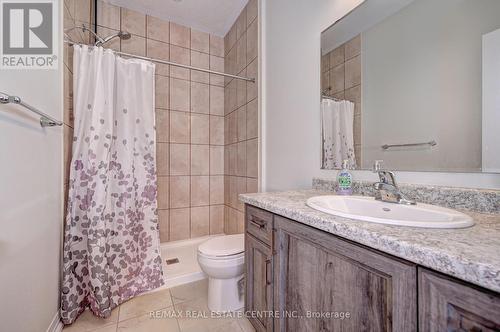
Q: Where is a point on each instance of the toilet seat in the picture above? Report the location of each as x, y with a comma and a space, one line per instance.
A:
223, 247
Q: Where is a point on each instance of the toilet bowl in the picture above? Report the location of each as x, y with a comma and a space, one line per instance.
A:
222, 259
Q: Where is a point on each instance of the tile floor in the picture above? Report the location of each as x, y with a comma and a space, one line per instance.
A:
182, 308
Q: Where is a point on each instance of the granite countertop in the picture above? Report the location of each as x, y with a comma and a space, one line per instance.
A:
471, 254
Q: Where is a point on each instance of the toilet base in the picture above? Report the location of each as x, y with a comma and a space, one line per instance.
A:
225, 294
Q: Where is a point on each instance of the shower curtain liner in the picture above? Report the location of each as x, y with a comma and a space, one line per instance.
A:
338, 133
111, 238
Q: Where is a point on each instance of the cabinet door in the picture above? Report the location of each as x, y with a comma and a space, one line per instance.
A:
325, 283
446, 304
259, 289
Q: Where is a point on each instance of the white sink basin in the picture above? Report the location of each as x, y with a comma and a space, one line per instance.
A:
368, 209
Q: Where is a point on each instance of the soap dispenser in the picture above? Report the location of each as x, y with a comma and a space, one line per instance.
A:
344, 180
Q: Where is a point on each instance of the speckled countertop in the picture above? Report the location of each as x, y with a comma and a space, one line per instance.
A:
471, 254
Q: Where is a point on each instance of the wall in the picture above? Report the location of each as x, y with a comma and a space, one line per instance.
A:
189, 118
241, 115
491, 101
341, 79
30, 201
291, 81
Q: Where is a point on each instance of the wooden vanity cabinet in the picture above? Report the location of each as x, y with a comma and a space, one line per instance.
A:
446, 304
259, 273
317, 274
316, 281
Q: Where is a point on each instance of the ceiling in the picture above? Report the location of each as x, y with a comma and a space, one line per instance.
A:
212, 16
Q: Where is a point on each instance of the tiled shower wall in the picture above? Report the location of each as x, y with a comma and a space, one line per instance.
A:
341, 78
189, 118
241, 116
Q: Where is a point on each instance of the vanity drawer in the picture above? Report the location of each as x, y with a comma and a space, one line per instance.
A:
259, 223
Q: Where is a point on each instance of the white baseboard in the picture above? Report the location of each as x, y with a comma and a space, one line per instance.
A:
56, 325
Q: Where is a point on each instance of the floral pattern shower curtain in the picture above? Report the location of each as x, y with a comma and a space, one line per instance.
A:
111, 239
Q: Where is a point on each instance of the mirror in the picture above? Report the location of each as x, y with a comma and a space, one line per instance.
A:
415, 83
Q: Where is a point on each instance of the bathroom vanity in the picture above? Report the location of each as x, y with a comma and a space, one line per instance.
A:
312, 271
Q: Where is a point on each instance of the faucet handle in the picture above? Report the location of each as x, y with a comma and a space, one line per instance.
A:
377, 166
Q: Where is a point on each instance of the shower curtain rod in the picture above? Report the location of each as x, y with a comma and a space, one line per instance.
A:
249, 79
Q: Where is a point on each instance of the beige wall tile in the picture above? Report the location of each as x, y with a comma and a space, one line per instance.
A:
252, 185
82, 11
159, 50
252, 119
180, 162
182, 56
337, 76
252, 88
162, 91
162, 125
200, 98
252, 11
357, 130
233, 127
216, 64
179, 225
241, 119
200, 194
231, 92
108, 15
325, 63
241, 23
180, 35
353, 72
199, 129
179, 95
200, 221
233, 158
241, 90
241, 188
216, 100
216, 46
216, 219
163, 225
233, 191
354, 94
162, 155
216, 160
230, 39
252, 158
135, 45
179, 127
200, 156
216, 130
241, 158
163, 192
200, 60
252, 41
241, 53
179, 191
133, 22
216, 189
336, 56
353, 47
200, 41
158, 29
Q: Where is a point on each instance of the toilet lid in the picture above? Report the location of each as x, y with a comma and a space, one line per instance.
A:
223, 245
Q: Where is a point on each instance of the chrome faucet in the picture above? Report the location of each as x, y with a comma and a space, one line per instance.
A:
386, 189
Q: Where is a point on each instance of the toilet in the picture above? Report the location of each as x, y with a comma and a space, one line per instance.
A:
222, 258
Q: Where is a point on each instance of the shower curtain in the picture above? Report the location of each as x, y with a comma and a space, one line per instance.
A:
338, 133
111, 237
